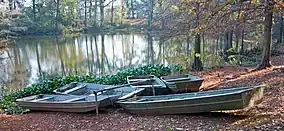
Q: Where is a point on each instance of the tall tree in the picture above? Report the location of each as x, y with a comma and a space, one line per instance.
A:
197, 63
265, 62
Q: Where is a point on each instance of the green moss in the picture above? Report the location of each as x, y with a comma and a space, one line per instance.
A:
46, 86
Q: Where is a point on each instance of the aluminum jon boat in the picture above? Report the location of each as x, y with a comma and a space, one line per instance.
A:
214, 100
64, 103
183, 83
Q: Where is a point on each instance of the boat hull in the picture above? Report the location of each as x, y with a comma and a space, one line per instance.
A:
64, 103
238, 100
77, 108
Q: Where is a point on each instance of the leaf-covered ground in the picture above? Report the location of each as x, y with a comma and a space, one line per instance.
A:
268, 115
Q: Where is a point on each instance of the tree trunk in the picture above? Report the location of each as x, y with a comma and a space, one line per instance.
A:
57, 15
242, 44
226, 42
85, 12
150, 15
217, 45
93, 56
90, 11
203, 43
265, 62
187, 44
231, 39
122, 11
101, 13
132, 9
95, 13
281, 30
150, 49
34, 11
113, 49
237, 34
112, 12
87, 48
160, 3
103, 55
197, 64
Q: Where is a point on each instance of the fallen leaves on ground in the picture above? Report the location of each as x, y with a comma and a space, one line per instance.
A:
267, 115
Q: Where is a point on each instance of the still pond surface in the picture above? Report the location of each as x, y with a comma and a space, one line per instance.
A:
96, 54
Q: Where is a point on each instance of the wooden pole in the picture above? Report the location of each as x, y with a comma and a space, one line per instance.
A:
97, 104
153, 90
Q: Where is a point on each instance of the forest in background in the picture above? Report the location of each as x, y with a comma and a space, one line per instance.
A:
231, 22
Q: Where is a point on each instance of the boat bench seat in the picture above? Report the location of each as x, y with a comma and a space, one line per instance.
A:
147, 86
136, 80
141, 100
75, 88
177, 79
74, 99
42, 99
131, 94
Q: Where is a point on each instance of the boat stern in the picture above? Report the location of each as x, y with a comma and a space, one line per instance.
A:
253, 97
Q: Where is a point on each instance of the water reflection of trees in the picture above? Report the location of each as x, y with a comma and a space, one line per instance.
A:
103, 54
12, 73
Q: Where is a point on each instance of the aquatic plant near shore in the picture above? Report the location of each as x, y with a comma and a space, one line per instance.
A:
46, 86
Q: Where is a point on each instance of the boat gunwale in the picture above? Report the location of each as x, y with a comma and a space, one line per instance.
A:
189, 98
183, 81
24, 100
183, 105
189, 78
86, 85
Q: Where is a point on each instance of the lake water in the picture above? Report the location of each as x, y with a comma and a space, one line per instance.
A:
23, 63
